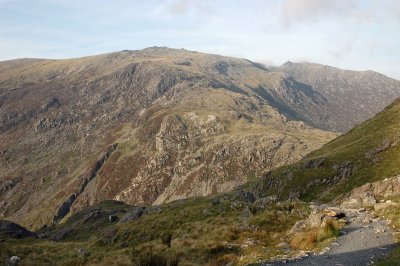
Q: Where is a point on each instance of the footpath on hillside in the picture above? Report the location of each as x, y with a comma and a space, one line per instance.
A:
365, 240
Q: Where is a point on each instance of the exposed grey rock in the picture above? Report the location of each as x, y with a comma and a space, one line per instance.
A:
245, 196
365, 196
263, 203
246, 213
298, 227
110, 235
112, 218
61, 234
343, 170
83, 253
153, 209
206, 212
314, 163
215, 201
94, 215
14, 260
133, 215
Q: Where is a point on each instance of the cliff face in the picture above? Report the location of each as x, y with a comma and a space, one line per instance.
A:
144, 127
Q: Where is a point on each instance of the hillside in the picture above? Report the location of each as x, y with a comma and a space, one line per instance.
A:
148, 127
367, 153
144, 127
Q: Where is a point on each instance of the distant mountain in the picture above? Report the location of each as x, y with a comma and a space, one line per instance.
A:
351, 96
149, 126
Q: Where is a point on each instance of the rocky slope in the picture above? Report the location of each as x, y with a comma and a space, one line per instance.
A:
352, 96
145, 127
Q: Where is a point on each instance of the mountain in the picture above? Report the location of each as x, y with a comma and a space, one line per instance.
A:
144, 127
147, 127
352, 96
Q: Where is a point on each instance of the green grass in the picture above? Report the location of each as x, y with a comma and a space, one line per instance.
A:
392, 213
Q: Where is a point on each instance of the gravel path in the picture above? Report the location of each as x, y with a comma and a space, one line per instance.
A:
363, 241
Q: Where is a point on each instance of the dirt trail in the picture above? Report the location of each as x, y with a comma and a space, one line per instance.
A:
363, 241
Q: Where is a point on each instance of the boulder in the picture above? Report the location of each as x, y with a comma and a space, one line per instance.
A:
14, 260
298, 227
93, 216
61, 234
153, 209
133, 215
315, 218
352, 203
215, 201
244, 196
109, 236
206, 212
263, 203
334, 213
83, 253
314, 163
112, 218
246, 213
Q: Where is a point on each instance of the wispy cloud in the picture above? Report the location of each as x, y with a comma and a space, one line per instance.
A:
300, 11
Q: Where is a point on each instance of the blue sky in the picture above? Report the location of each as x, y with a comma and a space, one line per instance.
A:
351, 34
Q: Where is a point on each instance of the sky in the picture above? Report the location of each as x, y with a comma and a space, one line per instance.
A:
350, 34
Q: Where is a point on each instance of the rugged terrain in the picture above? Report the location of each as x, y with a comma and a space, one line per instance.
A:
282, 215
352, 96
153, 126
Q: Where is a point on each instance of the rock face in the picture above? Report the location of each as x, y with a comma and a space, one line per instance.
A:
144, 127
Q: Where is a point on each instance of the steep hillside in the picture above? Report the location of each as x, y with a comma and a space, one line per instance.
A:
367, 153
144, 127
353, 96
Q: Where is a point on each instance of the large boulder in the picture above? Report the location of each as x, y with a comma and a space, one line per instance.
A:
264, 203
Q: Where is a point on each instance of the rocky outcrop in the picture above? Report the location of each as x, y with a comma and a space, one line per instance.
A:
368, 194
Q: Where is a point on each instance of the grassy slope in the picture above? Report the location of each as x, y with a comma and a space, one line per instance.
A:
364, 147
391, 213
202, 233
